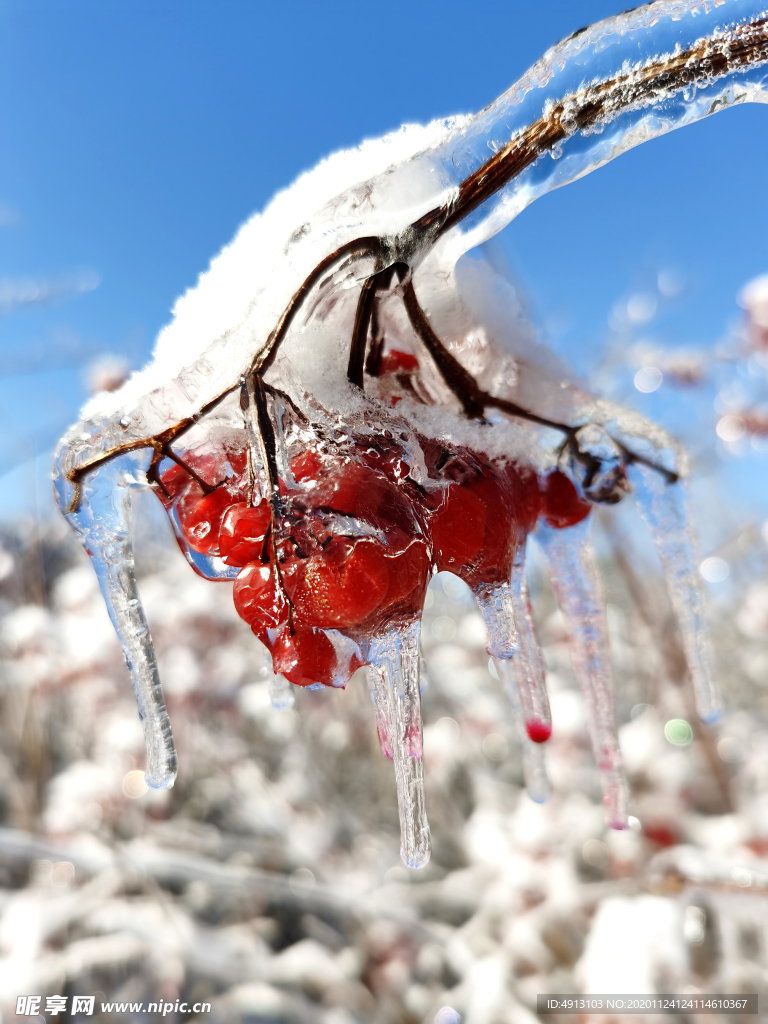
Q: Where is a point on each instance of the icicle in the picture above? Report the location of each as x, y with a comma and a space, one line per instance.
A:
507, 615
663, 508
575, 577
280, 691
102, 522
379, 710
497, 607
534, 767
527, 662
393, 679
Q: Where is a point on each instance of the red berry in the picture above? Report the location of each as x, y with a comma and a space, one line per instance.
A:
525, 494
353, 490
660, 834
258, 600
562, 505
397, 362
243, 531
456, 527
473, 532
408, 580
201, 523
175, 481
494, 563
340, 586
305, 657
539, 732
307, 466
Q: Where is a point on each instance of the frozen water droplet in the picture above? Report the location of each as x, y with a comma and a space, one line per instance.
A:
663, 506
102, 521
393, 678
572, 566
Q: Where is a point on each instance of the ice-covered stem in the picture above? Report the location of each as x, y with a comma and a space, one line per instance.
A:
662, 504
590, 98
572, 567
393, 678
595, 95
103, 524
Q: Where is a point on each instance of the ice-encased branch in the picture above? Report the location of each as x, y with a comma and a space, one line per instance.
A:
589, 99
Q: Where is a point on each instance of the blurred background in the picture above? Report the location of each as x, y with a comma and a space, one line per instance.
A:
135, 138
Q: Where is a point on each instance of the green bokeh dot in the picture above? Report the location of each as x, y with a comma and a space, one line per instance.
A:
678, 732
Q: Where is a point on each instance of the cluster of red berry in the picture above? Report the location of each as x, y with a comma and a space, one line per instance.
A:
351, 547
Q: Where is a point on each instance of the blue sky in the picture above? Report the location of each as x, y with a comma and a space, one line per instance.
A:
136, 136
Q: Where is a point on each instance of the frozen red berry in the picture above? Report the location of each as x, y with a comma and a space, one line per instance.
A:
562, 505
304, 656
537, 731
307, 465
397, 361
408, 580
456, 527
525, 496
201, 520
340, 586
259, 601
243, 531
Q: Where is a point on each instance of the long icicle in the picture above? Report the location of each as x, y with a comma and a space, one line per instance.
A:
103, 523
511, 642
527, 662
534, 767
393, 677
380, 711
572, 567
663, 507
511, 636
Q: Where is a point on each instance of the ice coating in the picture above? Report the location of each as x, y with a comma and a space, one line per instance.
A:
662, 504
393, 677
575, 577
432, 194
527, 662
103, 524
512, 638
346, 402
534, 767
280, 692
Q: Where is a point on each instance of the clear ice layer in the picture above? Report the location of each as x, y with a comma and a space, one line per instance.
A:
393, 677
280, 692
663, 506
534, 766
527, 661
103, 522
344, 405
575, 577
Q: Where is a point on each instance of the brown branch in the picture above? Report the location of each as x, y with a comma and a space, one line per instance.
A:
474, 400
365, 304
739, 48
359, 247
